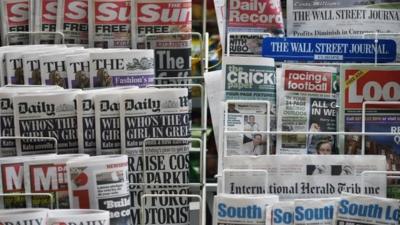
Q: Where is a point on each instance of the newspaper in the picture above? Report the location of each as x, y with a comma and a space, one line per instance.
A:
341, 18
3, 66
127, 68
78, 216
14, 69
245, 182
160, 16
219, 6
77, 68
73, 21
24, 216
7, 115
316, 176
241, 210
250, 78
16, 17
307, 102
365, 210
371, 83
251, 16
110, 23
86, 120
53, 69
48, 175
173, 57
280, 213
12, 180
157, 113
315, 211
46, 115
45, 18
101, 183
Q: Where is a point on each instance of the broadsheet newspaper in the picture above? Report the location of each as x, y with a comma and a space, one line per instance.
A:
314, 211
7, 115
48, 175
241, 210
249, 78
173, 57
15, 17
341, 17
245, 182
77, 68
110, 23
316, 176
252, 16
101, 183
73, 21
367, 210
127, 68
160, 16
157, 113
280, 213
45, 20
372, 83
46, 115
307, 102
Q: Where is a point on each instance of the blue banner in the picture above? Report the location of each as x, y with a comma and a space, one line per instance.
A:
324, 49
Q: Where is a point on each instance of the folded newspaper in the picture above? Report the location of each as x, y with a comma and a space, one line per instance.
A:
24, 216
16, 15
78, 216
366, 210
157, 113
241, 210
307, 102
245, 182
48, 175
314, 211
280, 213
72, 21
44, 20
101, 183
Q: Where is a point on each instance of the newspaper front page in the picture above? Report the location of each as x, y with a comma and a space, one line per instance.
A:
77, 68
157, 113
249, 78
341, 17
314, 211
307, 102
109, 23
245, 182
16, 17
367, 210
241, 210
78, 216
48, 175
101, 183
161, 16
251, 16
72, 21
316, 176
46, 115
24, 216
371, 83
45, 20
280, 213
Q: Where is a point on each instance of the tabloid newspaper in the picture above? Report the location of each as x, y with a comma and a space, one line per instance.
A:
53, 68
371, 83
307, 102
341, 17
46, 115
110, 23
72, 21
31, 65
101, 183
241, 210
280, 213
173, 57
12, 181
249, 78
251, 16
7, 115
48, 175
16, 16
245, 182
45, 20
367, 210
86, 120
157, 113
127, 68
24, 216
160, 16
78, 216
316, 176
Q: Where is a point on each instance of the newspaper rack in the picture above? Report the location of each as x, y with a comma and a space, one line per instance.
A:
30, 33
49, 195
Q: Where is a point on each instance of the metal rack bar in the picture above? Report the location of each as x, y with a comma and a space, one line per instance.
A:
8, 34
30, 195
